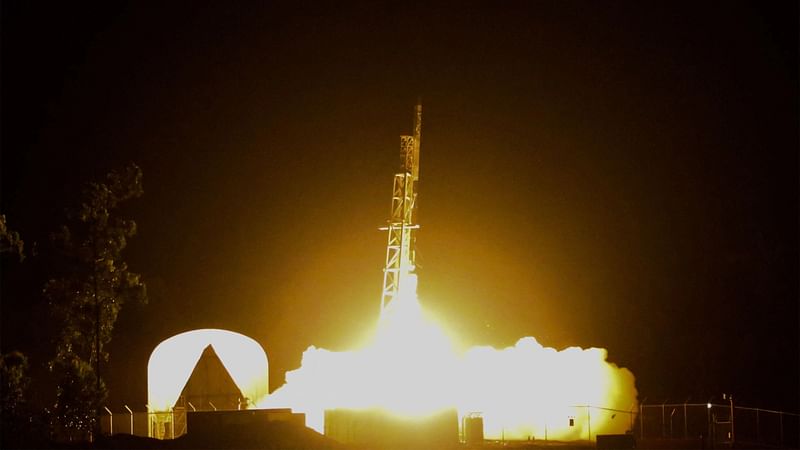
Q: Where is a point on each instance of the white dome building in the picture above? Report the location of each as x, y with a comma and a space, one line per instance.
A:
204, 369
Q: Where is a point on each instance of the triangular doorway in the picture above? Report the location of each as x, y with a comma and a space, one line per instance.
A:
210, 386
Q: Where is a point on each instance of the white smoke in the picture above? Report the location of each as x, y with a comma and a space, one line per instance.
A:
410, 368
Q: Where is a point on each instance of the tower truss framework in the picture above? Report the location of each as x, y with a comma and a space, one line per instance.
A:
400, 251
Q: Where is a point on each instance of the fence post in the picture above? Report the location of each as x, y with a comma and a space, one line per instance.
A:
641, 419
630, 419
663, 424
131, 413
671, 415
110, 421
733, 430
758, 427
589, 418
685, 422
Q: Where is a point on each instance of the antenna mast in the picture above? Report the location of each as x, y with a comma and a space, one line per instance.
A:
400, 251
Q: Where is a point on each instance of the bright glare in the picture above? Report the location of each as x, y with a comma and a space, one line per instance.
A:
173, 360
410, 367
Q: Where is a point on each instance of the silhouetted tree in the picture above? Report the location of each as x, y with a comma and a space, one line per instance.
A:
14, 379
14, 383
10, 240
87, 298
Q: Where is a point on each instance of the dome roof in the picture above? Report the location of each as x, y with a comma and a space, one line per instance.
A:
173, 360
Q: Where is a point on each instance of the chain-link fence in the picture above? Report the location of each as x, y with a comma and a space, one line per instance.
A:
717, 425
709, 424
159, 425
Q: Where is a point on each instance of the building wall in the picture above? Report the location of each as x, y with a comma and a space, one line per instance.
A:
379, 429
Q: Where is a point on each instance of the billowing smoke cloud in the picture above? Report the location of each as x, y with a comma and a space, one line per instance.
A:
410, 368
529, 390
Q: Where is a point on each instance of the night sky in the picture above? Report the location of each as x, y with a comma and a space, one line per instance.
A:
620, 175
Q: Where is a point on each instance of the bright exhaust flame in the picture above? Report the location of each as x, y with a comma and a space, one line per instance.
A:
411, 368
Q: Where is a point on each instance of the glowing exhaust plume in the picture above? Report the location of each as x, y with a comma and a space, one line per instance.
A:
410, 368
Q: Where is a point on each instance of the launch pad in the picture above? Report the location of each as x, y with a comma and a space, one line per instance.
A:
408, 386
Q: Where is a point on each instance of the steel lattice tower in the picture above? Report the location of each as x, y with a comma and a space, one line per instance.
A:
400, 252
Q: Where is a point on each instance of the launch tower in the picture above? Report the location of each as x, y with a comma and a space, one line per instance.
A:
400, 252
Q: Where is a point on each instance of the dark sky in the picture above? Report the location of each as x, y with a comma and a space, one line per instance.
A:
621, 175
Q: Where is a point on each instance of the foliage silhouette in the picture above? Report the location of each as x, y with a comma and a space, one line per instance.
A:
88, 296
